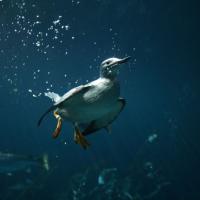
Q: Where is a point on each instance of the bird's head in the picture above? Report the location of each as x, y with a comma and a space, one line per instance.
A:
110, 67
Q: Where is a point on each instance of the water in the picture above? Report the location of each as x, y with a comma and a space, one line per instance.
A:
52, 46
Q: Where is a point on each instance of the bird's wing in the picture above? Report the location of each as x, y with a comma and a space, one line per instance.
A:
73, 93
106, 120
44, 114
66, 98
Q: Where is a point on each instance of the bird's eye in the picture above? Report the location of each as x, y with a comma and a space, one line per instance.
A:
108, 62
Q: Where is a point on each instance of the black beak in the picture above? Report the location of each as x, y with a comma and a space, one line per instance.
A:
124, 60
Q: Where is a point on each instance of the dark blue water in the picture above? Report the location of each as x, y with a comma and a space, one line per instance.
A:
153, 151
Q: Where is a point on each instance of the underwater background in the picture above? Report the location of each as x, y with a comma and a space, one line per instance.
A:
153, 151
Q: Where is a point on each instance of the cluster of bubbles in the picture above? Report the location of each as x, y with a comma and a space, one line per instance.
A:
27, 32
24, 32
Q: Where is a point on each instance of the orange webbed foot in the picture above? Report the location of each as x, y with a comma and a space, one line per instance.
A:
57, 131
80, 139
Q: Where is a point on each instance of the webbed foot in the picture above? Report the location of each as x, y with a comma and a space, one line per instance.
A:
57, 131
80, 139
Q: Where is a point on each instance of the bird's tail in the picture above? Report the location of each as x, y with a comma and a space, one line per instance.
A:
47, 112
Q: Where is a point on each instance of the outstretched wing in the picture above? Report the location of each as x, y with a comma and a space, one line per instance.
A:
73, 94
66, 98
44, 115
106, 120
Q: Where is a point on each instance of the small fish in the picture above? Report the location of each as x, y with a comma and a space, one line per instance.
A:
10, 163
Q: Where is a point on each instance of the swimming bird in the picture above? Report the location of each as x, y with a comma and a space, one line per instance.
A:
92, 106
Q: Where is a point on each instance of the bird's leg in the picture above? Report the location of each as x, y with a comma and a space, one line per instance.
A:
59, 125
80, 139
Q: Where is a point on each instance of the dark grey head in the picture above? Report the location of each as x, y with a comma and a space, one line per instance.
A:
110, 67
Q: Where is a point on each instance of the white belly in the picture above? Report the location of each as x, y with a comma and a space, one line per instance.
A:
94, 104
